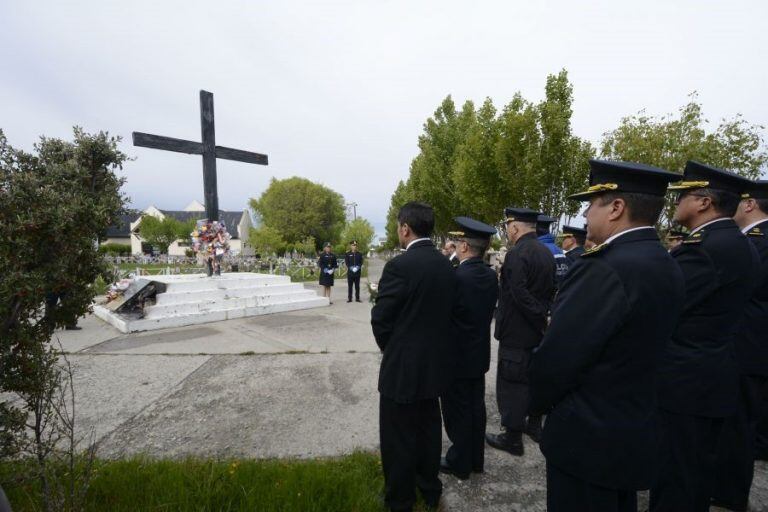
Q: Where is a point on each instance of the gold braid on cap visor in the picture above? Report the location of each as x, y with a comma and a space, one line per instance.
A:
685, 185
602, 187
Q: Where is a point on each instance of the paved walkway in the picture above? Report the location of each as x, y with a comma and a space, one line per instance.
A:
300, 384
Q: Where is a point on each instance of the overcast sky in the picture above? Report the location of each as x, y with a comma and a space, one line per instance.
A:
337, 92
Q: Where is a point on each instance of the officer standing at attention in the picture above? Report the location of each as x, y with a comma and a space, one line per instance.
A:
327, 263
464, 403
698, 382
526, 289
573, 242
412, 325
593, 374
543, 223
354, 262
736, 456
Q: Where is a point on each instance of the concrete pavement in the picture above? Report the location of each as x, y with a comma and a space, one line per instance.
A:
300, 384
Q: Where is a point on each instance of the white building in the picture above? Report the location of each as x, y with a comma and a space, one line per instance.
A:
128, 230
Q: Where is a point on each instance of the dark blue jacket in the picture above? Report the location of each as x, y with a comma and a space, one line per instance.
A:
698, 375
752, 341
476, 294
594, 370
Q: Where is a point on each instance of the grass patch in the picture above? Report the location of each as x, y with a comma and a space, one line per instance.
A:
351, 483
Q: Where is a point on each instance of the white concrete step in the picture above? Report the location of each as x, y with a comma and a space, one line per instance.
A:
201, 282
146, 324
196, 298
219, 304
185, 297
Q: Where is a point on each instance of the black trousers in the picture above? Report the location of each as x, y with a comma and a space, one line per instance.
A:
353, 279
761, 444
735, 466
411, 441
464, 418
568, 493
687, 469
512, 394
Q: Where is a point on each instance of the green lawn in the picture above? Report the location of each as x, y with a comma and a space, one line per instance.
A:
351, 483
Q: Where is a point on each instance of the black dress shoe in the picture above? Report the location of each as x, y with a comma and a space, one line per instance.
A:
358, 300
73, 328
507, 441
448, 469
349, 300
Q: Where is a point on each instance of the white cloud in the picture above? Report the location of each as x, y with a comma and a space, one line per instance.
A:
337, 91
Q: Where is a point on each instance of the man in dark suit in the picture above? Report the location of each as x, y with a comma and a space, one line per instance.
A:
736, 449
573, 242
525, 295
412, 327
463, 403
698, 379
593, 373
353, 259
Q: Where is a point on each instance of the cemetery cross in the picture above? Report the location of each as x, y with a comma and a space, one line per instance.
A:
207, 148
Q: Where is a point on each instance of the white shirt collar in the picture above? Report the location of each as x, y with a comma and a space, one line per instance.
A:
617, 235
753, 225
708, 223
414, 241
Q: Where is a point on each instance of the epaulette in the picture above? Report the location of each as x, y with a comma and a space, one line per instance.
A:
594, 250
695, 238
755, 231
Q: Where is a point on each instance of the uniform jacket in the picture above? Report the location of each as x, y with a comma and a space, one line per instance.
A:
574, 254
326, 261
354, 259
561, 261
594, 371
412, 324
525, 294
698, 374
752, 341
476, 297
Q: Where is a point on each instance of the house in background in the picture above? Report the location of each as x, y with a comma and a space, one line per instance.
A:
238, 225
120, 232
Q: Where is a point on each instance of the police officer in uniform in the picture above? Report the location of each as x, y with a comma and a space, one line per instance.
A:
463, 404
698, 382
736, 454
526, 289
593, 373
353, 259
412, 327
573, 242
543, 223
327, 263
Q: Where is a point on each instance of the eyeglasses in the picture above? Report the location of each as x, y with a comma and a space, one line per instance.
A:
682, 195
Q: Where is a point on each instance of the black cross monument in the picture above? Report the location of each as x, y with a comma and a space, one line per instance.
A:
207, 148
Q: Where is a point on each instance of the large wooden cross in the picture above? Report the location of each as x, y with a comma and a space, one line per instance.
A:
207, 148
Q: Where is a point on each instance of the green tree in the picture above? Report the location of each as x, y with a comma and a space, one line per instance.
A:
54, 205
477, 161
306, 247
669, 141
401, 196
161, 233
266, 241
360, 230
298, 208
